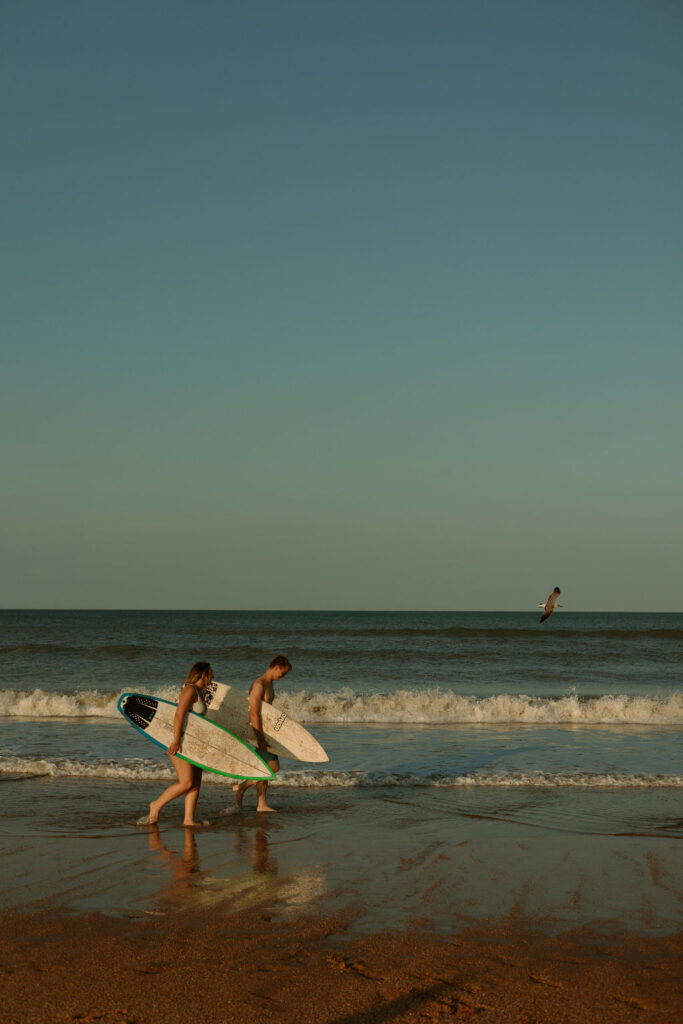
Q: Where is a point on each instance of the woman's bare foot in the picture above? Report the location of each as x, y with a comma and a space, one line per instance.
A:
153, 813
265, 807
238, 793
196, 824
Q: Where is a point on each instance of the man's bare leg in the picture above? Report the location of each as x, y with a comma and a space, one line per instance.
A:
261, 803
238, 791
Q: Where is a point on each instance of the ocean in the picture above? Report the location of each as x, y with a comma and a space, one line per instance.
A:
435, 723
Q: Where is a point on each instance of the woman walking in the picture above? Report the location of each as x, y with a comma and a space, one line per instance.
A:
189, 775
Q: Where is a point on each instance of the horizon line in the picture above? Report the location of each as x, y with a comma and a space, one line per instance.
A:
358, 611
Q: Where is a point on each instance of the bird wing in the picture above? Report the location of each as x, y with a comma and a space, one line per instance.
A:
549, 606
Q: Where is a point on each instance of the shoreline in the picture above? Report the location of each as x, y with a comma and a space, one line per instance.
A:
339, 909
210, 966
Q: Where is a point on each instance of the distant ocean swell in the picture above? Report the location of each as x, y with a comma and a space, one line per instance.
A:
426, 707
507, 632
130, 651
212, 641
138, 770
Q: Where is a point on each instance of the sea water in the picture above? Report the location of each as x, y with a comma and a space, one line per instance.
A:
441, 728
421, 699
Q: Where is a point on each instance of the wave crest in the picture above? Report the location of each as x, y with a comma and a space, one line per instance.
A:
417, 707
436, 707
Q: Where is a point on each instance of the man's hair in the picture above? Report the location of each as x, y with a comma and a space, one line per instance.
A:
280, 662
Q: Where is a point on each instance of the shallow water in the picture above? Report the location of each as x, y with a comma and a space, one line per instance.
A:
397, 858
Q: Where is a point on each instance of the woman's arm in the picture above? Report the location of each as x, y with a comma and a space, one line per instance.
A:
185, 701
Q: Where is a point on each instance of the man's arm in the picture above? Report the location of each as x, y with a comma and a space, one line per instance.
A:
255, 702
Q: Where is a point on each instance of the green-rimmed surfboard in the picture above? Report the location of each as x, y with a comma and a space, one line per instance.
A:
204, 743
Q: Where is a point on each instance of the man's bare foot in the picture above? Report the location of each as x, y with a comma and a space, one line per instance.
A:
238, 793
265, 807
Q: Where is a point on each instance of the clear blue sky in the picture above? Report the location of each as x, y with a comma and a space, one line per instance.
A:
351, 304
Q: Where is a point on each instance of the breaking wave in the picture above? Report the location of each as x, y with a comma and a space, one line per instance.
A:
446, 707
515, 780
422, 707
142, 770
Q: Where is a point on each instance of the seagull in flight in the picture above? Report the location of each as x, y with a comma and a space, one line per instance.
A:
550, 605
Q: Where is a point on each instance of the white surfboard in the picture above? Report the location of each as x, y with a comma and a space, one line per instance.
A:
207, 744
229, 707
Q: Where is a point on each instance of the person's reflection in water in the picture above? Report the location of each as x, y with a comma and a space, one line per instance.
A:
299, 886
254, 844
184, 869
190, 888
262, 860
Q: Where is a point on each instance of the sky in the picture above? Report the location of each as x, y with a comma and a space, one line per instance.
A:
369, 304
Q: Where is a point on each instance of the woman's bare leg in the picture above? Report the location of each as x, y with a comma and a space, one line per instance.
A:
192, 795
184, 772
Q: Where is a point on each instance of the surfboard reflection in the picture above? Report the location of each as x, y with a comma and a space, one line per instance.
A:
191, 888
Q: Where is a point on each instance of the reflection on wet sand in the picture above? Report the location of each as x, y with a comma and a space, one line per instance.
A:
253, 843
181, 867
191, 888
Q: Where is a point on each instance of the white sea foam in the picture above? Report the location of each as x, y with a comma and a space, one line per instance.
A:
447, 707
41, 704
544, 780
140, 770
405, 706
81, 704
137, 770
